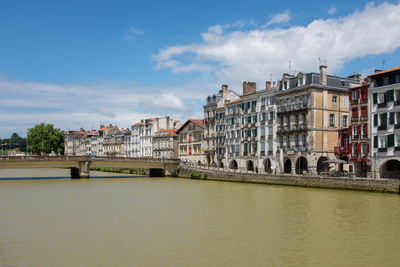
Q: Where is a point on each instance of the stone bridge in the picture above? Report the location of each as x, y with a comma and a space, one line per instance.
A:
80, 165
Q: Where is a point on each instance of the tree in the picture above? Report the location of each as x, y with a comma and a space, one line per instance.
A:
45, 138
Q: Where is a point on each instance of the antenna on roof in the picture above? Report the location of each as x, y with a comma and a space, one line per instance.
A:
383, 63
270, 77
290, 66
322, 61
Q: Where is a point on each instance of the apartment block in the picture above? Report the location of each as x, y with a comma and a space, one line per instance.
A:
190, 141
384, 96
215, 102
311, 109
358, 130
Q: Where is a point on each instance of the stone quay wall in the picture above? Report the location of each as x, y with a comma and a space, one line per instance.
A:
344, 183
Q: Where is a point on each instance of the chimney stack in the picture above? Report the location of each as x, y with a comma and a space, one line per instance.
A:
249, 88
268, 85
323, 76
224, 89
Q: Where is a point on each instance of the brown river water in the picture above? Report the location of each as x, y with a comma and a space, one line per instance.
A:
140, 221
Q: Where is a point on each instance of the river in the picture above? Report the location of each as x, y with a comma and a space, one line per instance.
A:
142, 221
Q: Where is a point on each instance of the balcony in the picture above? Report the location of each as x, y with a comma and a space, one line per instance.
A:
262, 153
397, 126
397, 103
397, 148
262, 137
353, 119
382, 105
382, 127
382, 149
364, 118
364, 136
341, 150
355, 137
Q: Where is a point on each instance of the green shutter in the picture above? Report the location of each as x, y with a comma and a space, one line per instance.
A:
245, 147
375, 98
242, 120
375, 119
391, 140
248, 119
255, 118
390, 95
391, 118
242, 106
384, 119
375, 141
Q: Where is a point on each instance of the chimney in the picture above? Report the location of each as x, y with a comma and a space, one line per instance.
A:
274, 85
101, 126
355, 76
377, 70
224, 89
168, 122
323, 79
249, 88
268, 85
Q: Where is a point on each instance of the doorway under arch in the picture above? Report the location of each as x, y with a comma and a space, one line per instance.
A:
390, 169
233, 165
267, 166
287, 167
250, 165
321, 166
301, 165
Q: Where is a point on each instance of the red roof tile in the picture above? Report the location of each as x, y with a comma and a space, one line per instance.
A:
384, 71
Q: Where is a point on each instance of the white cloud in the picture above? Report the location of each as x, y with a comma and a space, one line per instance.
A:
332, 10
71, 106
234, 56
280, 18
131, 32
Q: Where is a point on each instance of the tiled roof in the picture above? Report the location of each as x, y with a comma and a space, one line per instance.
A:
199, 123
235, 101
169, 131
384, 71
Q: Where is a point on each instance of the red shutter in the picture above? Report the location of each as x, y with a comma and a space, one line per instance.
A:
358, 148
350, 148
350, 96
359, 130
366, 129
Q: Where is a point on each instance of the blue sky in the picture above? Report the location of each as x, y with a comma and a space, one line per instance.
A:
81, 63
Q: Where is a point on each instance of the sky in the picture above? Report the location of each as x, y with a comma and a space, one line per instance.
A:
84, 63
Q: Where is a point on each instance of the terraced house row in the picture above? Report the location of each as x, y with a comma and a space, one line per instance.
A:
290, 126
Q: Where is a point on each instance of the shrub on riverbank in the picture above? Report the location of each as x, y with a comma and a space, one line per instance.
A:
195, 175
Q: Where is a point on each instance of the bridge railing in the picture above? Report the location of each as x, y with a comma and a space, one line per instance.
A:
84, 158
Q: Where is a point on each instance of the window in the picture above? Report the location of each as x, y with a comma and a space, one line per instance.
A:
355, 131
305, 100
346, 101
281, 141
304, 140
262, 101
270, 131
383, 141
332, 120
354, 95
381, 98
288, 141
296, 140
344, 121
334, 99
262, 131
262, 147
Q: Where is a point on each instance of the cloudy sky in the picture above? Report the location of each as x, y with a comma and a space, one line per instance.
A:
85, 63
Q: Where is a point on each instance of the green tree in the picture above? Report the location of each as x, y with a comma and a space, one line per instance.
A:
17, 142
45, 138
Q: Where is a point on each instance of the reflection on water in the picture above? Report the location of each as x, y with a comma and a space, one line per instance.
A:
179, 222
53, 174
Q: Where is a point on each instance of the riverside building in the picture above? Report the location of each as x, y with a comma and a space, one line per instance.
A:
311, 107
165, 144
384, 93
358, 147
215, 102
190, 141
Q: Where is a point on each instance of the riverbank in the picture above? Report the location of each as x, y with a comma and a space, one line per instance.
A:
122, 170
343, 183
